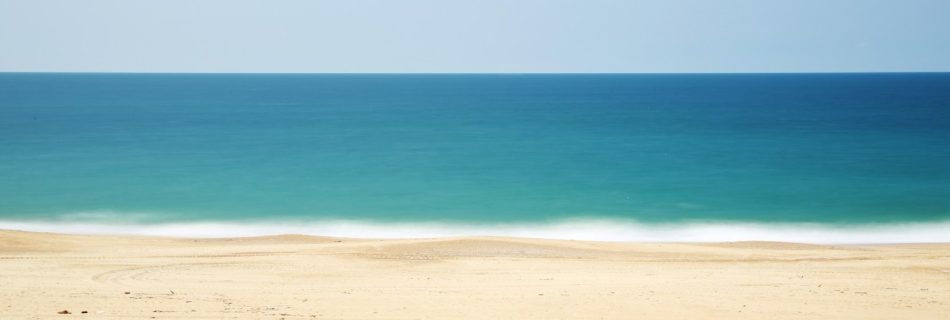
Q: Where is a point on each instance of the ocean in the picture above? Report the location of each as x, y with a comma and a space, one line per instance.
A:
623, 157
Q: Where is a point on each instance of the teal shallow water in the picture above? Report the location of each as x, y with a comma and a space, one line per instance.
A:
170, 148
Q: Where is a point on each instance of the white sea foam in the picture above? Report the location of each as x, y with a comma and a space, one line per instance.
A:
599, 230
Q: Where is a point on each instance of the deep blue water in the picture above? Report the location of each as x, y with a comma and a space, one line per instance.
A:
836, 148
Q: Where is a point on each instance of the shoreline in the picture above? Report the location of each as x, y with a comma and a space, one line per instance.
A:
585, 229
308, 277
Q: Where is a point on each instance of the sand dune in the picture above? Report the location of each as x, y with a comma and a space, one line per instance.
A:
303, 277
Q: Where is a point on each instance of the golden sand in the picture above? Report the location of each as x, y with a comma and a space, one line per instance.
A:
301, 277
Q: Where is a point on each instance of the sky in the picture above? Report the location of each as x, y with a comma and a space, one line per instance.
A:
508, 36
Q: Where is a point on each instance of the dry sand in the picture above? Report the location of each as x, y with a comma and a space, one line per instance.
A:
300, 277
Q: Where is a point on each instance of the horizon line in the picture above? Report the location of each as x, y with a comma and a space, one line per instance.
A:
475, 73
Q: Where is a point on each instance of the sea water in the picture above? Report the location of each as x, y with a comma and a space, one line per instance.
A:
665, 157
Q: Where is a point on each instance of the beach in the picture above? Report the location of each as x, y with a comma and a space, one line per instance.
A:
305, 277
420, 159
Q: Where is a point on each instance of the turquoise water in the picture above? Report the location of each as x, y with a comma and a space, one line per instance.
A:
457, 149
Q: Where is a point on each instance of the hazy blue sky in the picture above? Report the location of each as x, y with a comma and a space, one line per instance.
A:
475, 36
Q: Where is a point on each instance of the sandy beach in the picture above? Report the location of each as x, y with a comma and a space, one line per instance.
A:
303, 277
